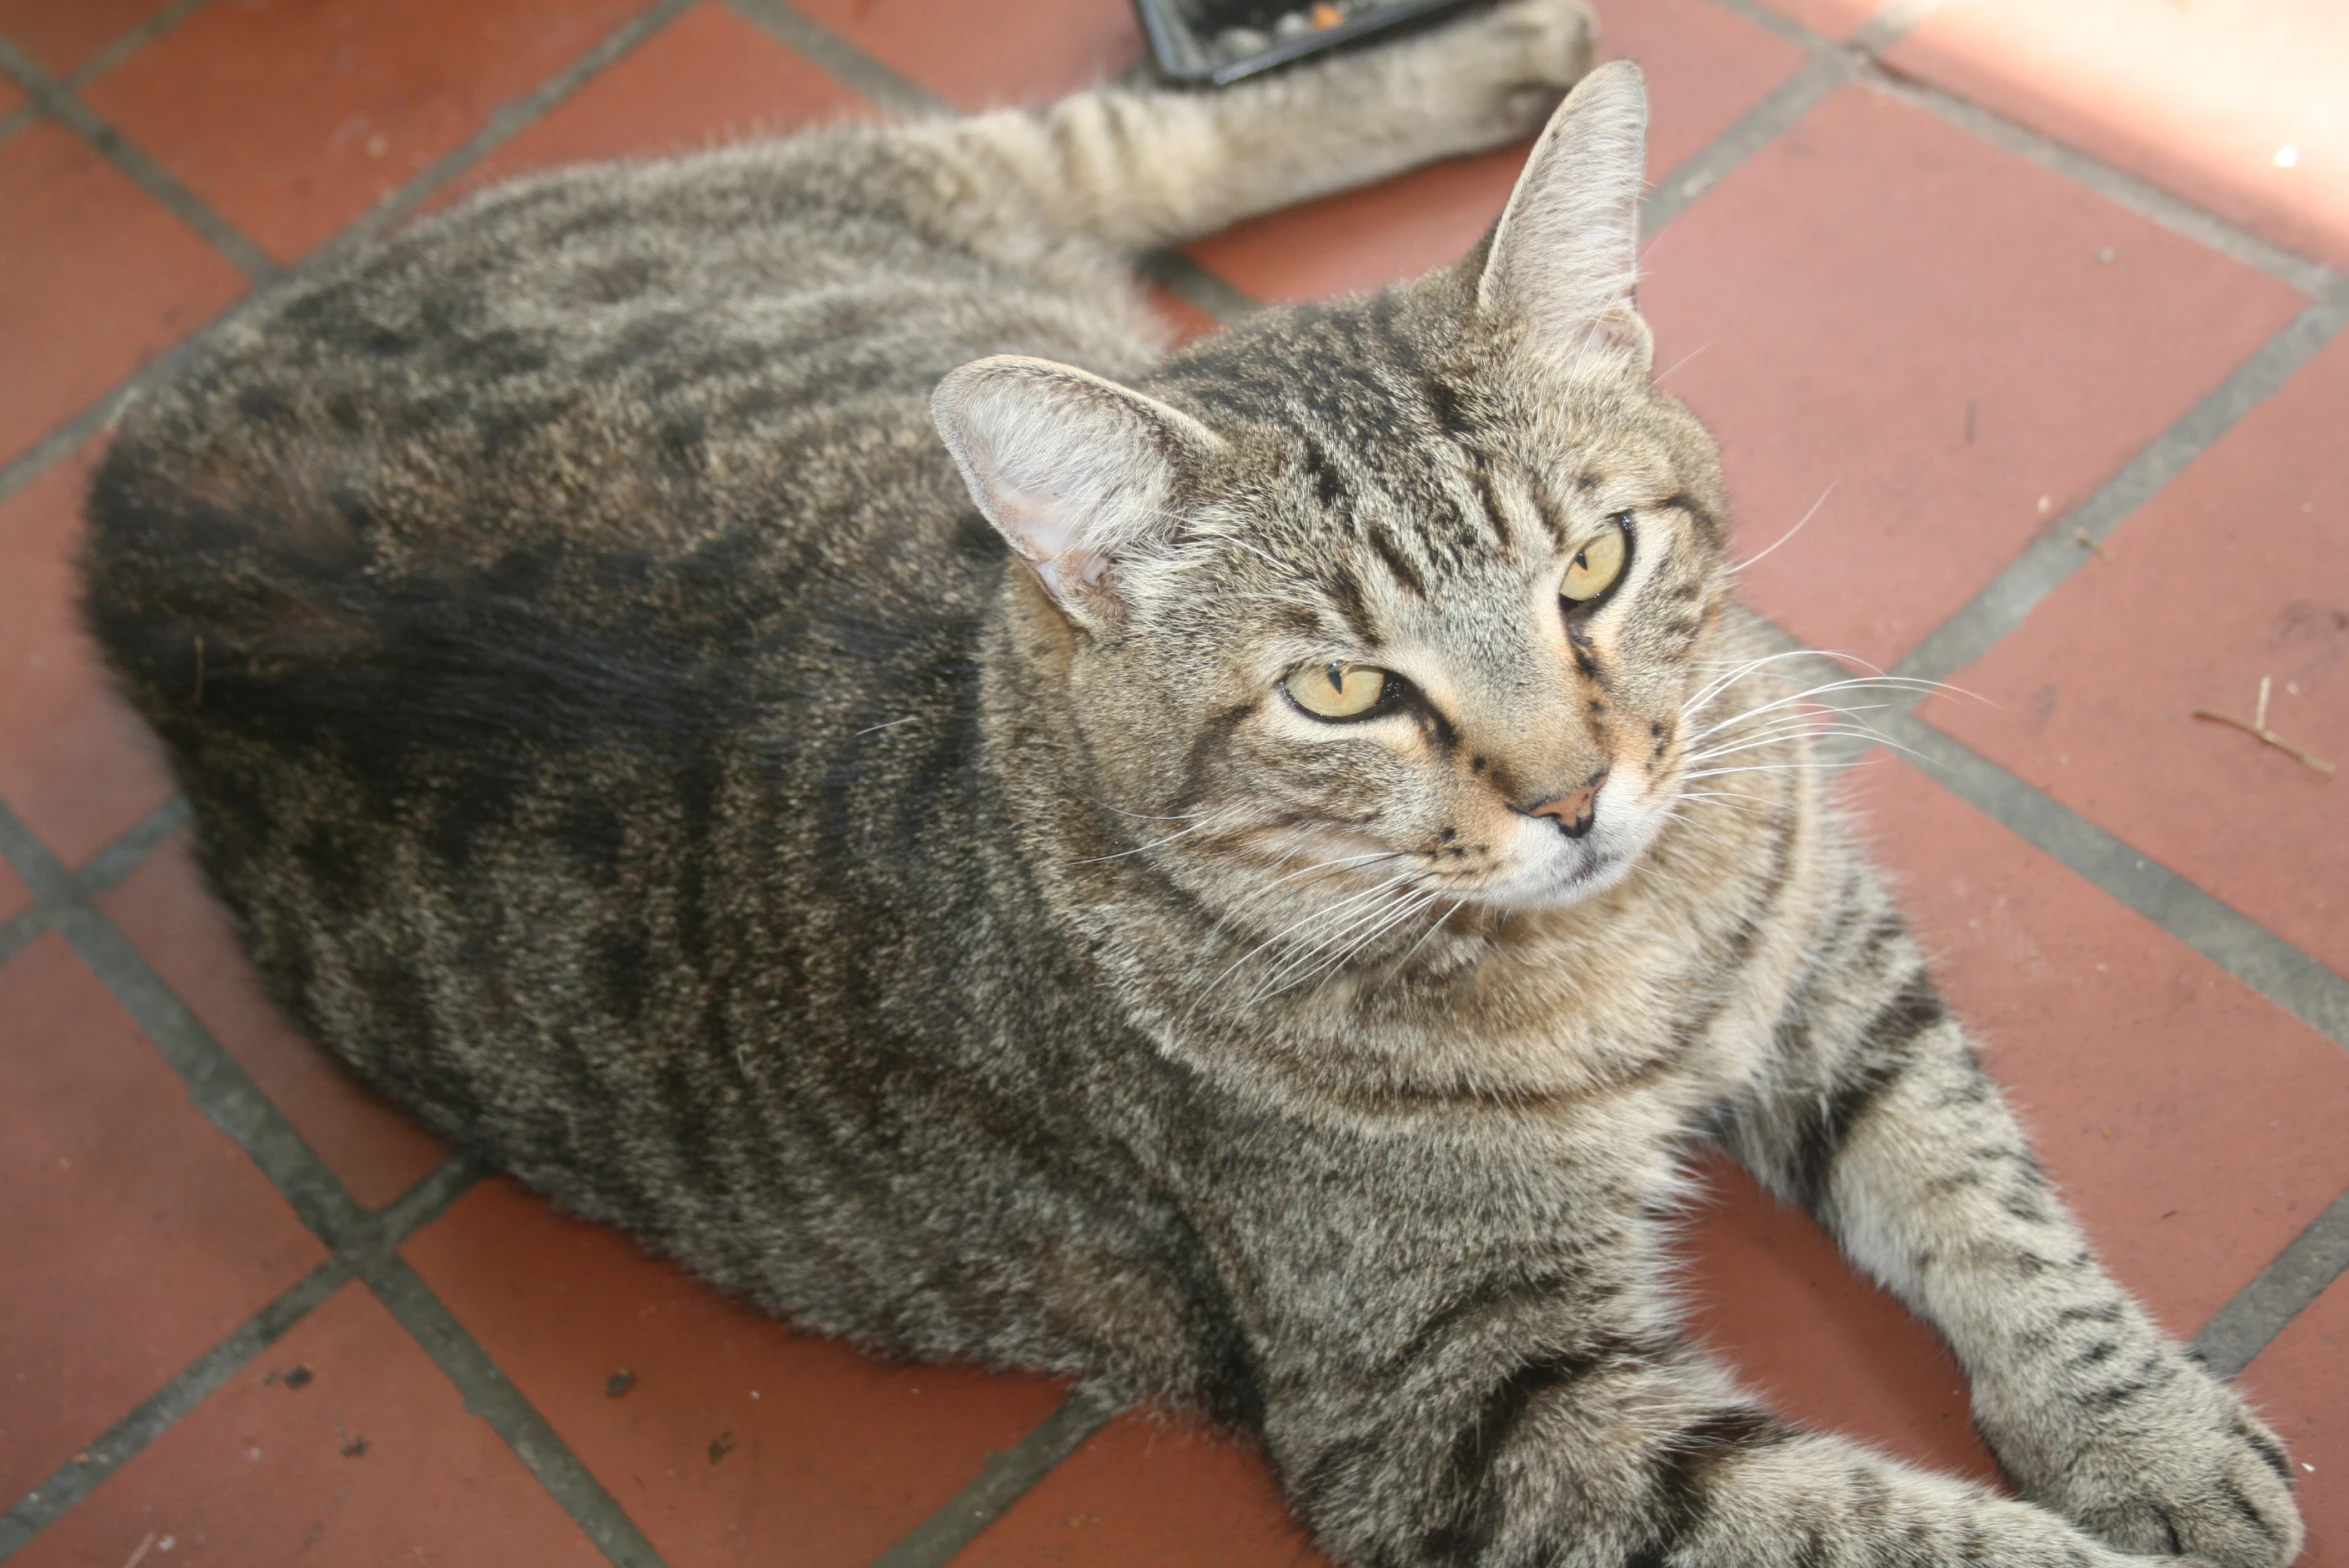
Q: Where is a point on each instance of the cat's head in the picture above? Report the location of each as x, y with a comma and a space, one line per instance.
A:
1398, 599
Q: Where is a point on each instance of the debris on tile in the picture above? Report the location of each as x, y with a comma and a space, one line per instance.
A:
2088, 541
2108, 255
1325, 15
298, 1376
2258, 727
355, 1448
2045, 503
619, 1383
141, 1551
721, 1446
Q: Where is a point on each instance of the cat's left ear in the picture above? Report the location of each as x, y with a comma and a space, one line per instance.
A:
1565, 259
1075, 471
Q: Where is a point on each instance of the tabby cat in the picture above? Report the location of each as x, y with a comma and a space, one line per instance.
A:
1268, 938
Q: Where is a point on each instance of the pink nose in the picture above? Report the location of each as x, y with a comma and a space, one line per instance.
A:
1575, 810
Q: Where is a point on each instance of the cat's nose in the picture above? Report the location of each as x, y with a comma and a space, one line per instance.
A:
1575, 810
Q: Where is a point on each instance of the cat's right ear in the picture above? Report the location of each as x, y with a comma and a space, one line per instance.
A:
1564, 261
1076, 472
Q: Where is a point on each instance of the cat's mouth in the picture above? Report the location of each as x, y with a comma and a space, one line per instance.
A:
1547, 869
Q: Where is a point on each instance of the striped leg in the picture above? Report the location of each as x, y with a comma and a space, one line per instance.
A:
1142, 169
1596, 1451
1880, 1118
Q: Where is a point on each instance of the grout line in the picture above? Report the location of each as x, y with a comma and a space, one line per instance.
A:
2247, 950
505, 122
2308, 276
120, 858
360, 1241
159, 1411
428, 1199
1195, 286
2010, 598
132, 42
100, 872
1891, 24
1771, 21
1007, 1478
894, 91
2290, 1283
59, 102
1788, 102
490, 1396
37, 459
79, 1476
1861, 57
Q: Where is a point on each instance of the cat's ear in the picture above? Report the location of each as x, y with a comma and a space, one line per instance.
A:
1075, 471
1565, 257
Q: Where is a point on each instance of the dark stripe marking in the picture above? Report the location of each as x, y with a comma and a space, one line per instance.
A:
1887, 1045
1384, 546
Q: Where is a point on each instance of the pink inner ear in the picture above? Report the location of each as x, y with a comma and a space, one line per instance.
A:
1038, 524
1078, 569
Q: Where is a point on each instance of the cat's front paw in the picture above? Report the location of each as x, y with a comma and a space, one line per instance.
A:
2182, 1467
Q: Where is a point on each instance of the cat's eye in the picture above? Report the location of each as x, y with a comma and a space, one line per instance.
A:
1595, 567
1337, 691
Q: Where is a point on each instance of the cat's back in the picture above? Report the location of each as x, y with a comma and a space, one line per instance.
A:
567, 600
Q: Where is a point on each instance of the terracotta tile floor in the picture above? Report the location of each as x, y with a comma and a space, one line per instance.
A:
250, 1315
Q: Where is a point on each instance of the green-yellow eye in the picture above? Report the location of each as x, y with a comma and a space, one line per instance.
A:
1594, 568
1337, 691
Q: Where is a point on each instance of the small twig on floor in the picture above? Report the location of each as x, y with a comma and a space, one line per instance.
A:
2258, 727
141, 1552
2088, 541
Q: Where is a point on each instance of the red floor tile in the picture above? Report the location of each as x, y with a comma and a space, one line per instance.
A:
100, 279
292, 117
1705, 67
163, 908
706, 79
63, 37
738, 1441
2240, 569
2195, 1126
133, 1234
74, 762
1772, 1297
10, 99
1149, 1491
2301, 1384
2199, 98
983, 57
1186, 320
1916, 326
369, 1459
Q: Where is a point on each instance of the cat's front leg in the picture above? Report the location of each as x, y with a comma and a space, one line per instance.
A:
1878, 1115
1595, 1451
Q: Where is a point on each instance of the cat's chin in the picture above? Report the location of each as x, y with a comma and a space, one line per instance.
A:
1558, 887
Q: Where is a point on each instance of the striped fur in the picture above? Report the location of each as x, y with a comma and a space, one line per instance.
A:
619, 738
